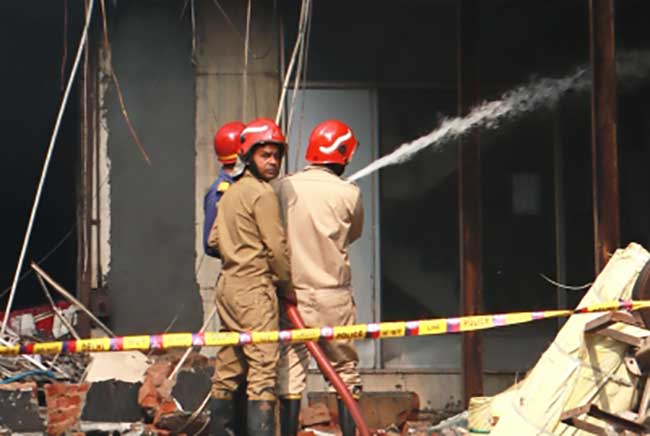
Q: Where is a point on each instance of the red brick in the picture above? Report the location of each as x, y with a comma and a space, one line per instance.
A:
63, 402
55, 389
158, 372
148, 396
59, 415
60, 427
167, 406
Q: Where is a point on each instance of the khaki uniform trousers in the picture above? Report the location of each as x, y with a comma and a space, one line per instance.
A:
319, 308
246, 305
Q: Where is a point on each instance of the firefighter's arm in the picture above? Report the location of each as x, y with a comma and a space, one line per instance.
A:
356, 228
267, 215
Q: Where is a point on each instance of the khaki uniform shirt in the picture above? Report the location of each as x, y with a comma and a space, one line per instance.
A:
323, 214
248, 234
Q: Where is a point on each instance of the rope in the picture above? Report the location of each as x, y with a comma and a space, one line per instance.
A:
397, 329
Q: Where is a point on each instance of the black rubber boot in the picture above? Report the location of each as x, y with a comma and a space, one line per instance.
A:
348, 428
289, 411
260, 418
221, 417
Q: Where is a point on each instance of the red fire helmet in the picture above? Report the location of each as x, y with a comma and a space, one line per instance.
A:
331, 142
259, 132
227, 141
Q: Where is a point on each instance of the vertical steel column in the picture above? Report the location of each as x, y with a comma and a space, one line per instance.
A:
83, 288
469, 198
604, 149
560, 209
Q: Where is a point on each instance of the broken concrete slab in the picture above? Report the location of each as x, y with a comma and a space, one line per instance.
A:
19, 408
112, 401
127, 366
192, 386
380, 409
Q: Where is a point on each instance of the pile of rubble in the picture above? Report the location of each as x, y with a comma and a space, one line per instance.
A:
593, 379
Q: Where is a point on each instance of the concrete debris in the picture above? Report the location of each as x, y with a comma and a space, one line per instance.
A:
380, 409
19, 408
126, 366
316, 414
122, 407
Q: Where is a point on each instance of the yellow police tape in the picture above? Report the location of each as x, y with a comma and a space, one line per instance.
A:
382, 330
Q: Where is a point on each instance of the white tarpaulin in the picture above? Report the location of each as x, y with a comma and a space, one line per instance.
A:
576, 369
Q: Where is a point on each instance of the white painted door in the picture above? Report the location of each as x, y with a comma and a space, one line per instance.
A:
358, 109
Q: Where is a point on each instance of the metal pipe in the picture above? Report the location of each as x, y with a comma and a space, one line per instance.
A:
469, 199
46, 165
328, 371
180, 363
72, 299
604, 148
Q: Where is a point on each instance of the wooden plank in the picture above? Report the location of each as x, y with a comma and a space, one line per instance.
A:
623, 337
616, 420
608, 319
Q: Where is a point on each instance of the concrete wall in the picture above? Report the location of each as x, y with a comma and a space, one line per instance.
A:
219, 99
151, 279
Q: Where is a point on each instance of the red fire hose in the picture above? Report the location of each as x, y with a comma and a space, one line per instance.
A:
328, 371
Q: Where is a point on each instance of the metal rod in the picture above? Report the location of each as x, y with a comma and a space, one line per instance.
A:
56, 310
604, 148
189, 349
46, 165
560, 208
70, 297
469, 199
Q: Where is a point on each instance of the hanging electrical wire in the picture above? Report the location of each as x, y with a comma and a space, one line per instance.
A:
118, 88
46, 164
298, 75
296, 47
245, 73
304, 81
241, 36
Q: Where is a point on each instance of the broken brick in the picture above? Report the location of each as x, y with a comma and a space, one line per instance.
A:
316, 414
166, 407
64, 403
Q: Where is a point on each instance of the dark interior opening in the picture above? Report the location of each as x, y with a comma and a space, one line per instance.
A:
38, 43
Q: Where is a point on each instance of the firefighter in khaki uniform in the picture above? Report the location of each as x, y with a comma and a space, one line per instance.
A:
249, 236
323, 215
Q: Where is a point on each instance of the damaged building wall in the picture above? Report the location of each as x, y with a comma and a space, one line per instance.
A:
151, 280
219, 98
